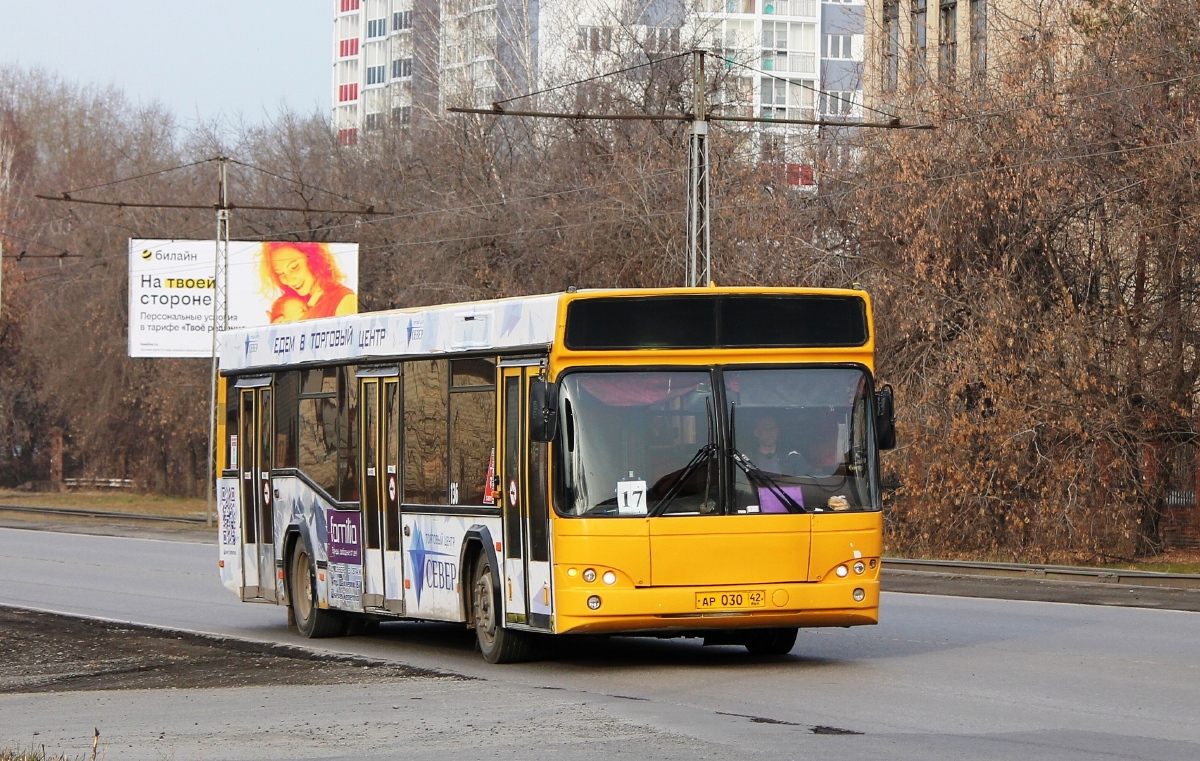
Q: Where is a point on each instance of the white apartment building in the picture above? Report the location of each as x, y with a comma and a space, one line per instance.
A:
784, 59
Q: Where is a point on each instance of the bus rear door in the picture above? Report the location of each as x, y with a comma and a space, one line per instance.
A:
258, 524
383, 571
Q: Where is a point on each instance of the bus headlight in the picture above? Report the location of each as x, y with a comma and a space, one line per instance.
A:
589, 575
859, 596
594, 602
610, 578
859, 567
841, 571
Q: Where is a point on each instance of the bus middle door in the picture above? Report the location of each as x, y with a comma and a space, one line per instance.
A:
379, 396
258, 522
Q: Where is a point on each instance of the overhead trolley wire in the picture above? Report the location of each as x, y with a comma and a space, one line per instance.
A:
300, 183
416, 214
497, 105
67, 193
484, 205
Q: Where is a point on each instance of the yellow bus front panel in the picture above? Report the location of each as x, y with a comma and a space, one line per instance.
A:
716, 572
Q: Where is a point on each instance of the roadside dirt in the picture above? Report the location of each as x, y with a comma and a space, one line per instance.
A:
41, 652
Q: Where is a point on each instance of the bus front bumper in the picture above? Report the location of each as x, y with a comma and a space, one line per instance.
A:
680, 609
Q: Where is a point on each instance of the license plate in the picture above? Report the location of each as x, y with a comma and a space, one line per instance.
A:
755, 598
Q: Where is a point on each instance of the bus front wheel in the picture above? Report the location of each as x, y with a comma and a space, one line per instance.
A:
770, 641
311, 620
498, 644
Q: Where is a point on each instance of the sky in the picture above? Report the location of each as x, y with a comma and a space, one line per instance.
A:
202, 59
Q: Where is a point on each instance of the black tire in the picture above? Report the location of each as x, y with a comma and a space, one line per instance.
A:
770, 641
498, 644
311, 620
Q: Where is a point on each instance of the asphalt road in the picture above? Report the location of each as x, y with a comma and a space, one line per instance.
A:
941, 677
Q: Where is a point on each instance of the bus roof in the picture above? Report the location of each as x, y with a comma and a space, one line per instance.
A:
502, 325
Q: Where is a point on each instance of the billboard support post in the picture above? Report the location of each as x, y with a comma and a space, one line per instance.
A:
219, 323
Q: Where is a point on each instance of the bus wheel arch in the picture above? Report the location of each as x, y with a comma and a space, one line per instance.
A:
312, 621
477, 543
497, 643
291, 538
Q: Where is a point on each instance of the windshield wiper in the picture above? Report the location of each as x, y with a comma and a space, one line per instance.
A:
755, 474
702, 456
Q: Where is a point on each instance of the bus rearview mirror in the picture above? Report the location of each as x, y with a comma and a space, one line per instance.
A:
543, 410
885, 418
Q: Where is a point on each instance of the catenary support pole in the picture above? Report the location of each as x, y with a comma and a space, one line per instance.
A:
698, 214
219, 323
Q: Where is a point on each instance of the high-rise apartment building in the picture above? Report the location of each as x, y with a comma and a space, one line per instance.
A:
788, 59
784, 59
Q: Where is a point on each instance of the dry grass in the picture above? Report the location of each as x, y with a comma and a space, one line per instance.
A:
38, 753
35, 754
114, 501
1170, 561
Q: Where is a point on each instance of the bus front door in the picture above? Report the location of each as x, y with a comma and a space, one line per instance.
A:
383, 576
527, 595
258, 523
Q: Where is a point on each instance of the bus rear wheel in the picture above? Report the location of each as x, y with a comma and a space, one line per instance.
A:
311, 620
770, 641
498, 644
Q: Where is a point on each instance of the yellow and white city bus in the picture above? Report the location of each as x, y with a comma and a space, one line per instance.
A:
673, 462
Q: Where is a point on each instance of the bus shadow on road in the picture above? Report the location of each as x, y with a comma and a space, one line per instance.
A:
597, 651
621, 652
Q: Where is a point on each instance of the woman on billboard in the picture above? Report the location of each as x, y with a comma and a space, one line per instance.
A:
305, 281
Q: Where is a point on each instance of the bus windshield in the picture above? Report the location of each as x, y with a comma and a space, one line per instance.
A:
648, 443
638, 443
802, 439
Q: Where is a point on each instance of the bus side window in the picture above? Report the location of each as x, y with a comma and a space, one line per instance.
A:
287, 419
348, 434
426, 419
317, 424
472, 428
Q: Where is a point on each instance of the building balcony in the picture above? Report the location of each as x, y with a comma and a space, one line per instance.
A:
790, 63
805, 8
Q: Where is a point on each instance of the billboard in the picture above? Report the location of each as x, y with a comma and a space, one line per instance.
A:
171, 289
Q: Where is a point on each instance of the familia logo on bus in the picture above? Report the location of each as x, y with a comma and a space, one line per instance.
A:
345, 537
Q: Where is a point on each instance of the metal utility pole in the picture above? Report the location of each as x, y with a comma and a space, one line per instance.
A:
698, 216
220, 322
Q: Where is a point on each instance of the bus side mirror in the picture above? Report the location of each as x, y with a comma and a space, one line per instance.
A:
885, 418
543, 410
